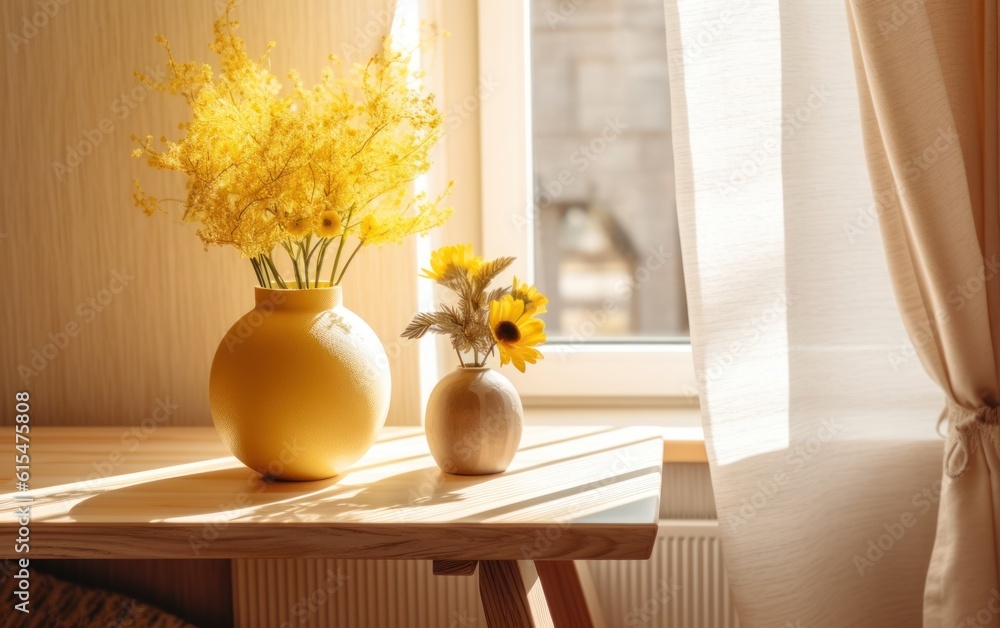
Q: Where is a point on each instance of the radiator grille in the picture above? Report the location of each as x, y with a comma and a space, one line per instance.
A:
683, 585
307, 593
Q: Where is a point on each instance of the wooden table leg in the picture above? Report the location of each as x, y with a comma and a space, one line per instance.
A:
512, 595
570, 593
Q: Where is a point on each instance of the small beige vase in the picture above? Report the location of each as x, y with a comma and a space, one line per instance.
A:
300, 385
474, 421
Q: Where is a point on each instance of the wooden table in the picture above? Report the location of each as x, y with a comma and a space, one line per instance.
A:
175, 492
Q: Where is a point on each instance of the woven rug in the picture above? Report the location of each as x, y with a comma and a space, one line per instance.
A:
57, 603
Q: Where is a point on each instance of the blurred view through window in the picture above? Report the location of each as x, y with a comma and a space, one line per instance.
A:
606, 243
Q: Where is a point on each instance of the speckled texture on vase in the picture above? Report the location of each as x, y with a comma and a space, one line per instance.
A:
300, 385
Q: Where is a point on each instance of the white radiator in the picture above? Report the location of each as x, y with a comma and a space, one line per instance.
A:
683, 585
314, 593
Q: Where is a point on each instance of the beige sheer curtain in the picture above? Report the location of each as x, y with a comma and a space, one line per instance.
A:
927, 77
819, 417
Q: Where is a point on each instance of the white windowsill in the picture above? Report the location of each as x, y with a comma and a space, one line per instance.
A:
683, 436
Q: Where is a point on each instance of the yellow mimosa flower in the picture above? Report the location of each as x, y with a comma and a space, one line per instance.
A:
329, 224
258, 154
516, 331
298, 227
370, 228
535, 301
457, 255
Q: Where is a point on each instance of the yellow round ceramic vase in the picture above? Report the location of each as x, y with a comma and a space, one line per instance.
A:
474, 421
300, 385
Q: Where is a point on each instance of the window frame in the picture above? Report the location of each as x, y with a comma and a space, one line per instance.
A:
616, 372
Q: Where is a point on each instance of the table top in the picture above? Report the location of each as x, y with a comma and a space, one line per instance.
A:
176, 492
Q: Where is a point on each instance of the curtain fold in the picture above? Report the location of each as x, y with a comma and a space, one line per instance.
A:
825, 464
927, 80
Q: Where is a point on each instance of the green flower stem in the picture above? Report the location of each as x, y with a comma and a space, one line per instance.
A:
265, 273
264, 270
340, 248
320, 242
305, 260
348, 263
319, 245
295, 263
319, 261
256, 270
277, 276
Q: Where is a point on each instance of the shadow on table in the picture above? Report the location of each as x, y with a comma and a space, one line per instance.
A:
420, 494
229, 493
239, 493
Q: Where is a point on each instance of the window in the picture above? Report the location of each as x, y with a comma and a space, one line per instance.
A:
578, 183
605, 231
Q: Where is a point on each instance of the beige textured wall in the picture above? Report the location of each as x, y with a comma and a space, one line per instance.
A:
112, 311
453, 74
453, 70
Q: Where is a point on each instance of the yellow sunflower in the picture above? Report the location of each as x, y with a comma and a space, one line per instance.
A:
328, 224
535, 301
458, 255
517, 331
